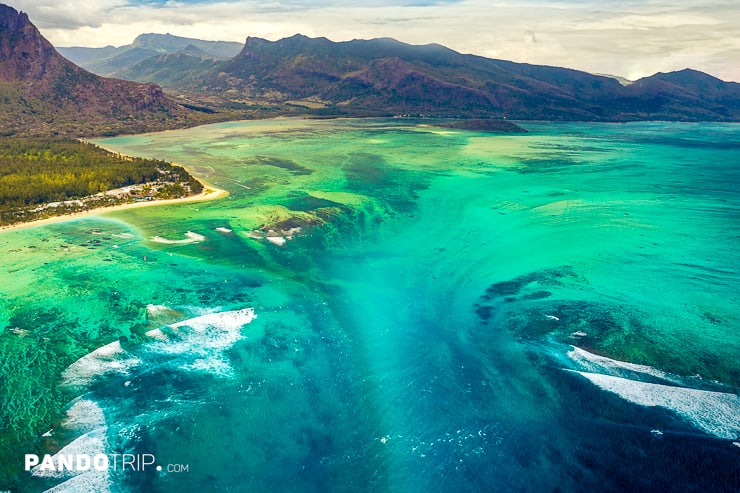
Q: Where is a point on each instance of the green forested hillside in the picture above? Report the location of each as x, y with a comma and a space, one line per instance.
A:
73, 175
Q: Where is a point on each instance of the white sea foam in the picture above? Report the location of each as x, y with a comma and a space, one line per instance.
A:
157, 309
205, 338
157, 334
211, 365
90, 482
84, 416
276, 240
231, 320
212, 331
89, 444
111, 358
190, 237
227, 322
717, 413
601, 364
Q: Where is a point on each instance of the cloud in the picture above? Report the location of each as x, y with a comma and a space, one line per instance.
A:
68, 14
626, 37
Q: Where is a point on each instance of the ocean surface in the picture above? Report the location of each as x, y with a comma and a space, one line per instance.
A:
388, 306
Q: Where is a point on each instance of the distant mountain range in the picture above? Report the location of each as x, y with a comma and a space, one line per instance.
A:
109, 60
385, 76
43, 92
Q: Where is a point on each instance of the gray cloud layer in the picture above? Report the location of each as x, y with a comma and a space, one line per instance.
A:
629, 38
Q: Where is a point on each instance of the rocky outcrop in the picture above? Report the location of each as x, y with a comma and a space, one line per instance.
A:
42, 92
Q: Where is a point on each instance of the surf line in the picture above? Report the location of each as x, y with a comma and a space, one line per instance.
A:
190, 237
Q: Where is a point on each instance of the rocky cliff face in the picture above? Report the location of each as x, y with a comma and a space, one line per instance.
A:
24, 54
42, 92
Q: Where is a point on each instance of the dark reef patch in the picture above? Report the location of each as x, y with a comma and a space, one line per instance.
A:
286, 164
303, 202
516, 286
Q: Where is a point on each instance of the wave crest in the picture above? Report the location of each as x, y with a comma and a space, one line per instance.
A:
717, 413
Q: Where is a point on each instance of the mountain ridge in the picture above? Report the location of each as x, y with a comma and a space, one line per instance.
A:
384, 76
42, 92
108, 60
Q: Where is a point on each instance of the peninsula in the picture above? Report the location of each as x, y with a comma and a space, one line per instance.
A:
45, 178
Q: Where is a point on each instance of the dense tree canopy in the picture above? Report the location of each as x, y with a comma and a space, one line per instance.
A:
36, 172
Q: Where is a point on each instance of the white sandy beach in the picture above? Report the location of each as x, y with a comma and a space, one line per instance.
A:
209, 193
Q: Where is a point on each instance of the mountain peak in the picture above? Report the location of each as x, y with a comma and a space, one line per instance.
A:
168, 41
43, 90
193, 50
25, 54
9, 17
687, 75
298, 37
702, 85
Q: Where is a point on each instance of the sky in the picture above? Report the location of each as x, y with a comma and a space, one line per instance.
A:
629, 38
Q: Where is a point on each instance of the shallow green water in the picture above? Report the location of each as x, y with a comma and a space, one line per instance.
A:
433, 325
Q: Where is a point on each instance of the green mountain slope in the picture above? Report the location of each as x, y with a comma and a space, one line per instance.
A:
385, 76
185, 68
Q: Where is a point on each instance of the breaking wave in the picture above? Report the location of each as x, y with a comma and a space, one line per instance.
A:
108, 359
99, 420
717, 413
84, 417
90, 482
202, 338
601, 364
190, 237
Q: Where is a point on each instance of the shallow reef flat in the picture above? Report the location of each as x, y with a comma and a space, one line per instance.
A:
385, 305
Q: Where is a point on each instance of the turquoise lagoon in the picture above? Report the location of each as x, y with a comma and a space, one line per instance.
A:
383, 305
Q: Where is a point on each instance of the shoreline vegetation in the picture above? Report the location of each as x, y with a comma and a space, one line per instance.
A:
208, 193
44, 181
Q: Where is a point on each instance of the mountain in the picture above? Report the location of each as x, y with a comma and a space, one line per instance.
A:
186, 67
686, 95
385, 76
109, 60
41, 92
622, 80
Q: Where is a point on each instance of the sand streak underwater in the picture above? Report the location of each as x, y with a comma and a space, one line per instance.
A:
382, 305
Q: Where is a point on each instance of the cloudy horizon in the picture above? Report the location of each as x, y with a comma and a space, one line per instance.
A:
628, 38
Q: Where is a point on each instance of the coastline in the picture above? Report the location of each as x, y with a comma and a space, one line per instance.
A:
209, 193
